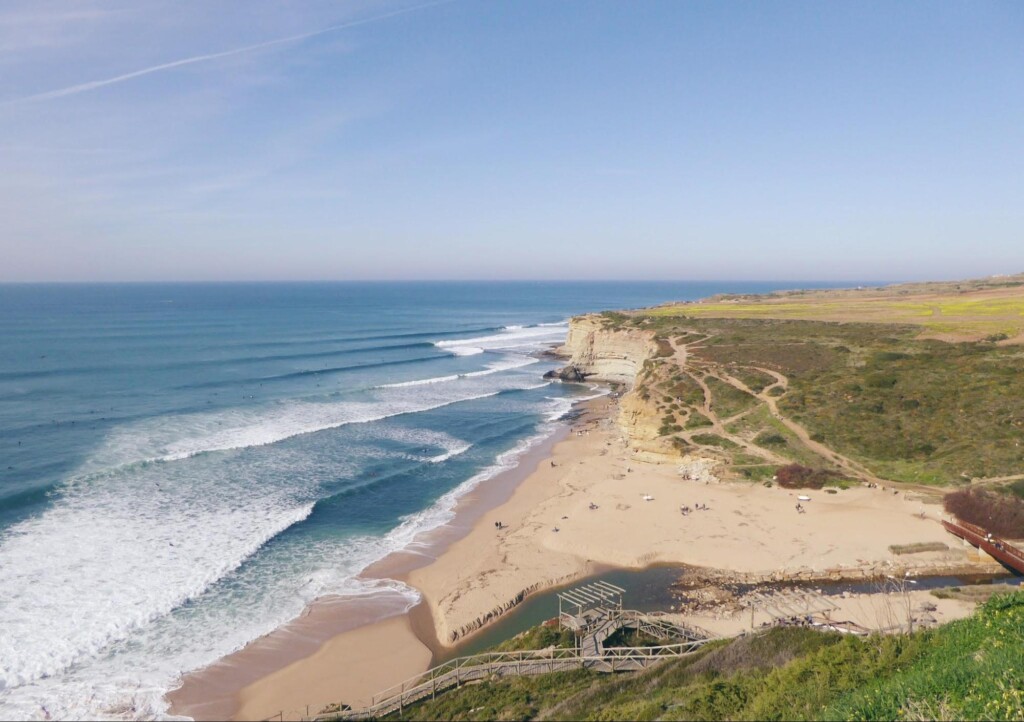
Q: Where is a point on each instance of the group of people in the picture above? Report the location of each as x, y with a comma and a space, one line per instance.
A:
499, 525
684, 509
800, 508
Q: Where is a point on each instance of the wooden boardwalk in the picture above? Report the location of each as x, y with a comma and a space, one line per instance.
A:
590, 654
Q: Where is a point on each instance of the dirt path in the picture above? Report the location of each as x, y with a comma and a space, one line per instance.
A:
847, 464
682, 357
717, 427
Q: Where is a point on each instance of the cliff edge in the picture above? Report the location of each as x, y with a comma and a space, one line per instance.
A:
602, 353
599, 350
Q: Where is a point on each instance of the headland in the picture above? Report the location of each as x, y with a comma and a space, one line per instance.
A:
718, 446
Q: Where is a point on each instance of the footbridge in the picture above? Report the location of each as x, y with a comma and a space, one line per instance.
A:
593, 612
999, 549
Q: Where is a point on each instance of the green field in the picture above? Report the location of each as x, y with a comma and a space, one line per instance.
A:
973, 310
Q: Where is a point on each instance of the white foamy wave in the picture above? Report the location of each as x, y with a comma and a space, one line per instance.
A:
510, 363
563, 405
427, 438
511, 337
404, 536
131, 679
181, 437
420, 382
455, 451
105, 560
92, 591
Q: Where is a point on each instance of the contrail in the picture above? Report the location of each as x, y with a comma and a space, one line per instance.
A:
94, 84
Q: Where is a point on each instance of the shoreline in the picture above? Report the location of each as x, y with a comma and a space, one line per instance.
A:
469, 573
219, 690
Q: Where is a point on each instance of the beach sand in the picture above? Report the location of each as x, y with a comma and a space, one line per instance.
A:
345, 668
470, 572
746, 528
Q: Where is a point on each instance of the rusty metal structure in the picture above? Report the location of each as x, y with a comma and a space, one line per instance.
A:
1002, 551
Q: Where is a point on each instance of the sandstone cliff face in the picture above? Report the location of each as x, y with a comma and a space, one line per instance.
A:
618, 355
607, 354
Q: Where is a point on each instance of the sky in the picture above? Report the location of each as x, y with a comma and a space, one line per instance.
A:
146, 140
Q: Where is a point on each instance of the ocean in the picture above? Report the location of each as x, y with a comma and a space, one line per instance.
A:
186, 466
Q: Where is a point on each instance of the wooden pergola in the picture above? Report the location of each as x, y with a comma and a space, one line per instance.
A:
579, 605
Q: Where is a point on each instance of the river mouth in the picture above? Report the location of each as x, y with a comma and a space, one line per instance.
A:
668, 587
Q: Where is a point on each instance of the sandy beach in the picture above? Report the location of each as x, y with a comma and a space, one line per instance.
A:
587, 502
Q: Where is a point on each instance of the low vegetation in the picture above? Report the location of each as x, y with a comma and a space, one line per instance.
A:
1000, 514
990, 310
905, 408
794, 476
918, 548
969, 669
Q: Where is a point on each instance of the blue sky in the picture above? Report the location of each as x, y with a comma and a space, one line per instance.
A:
373, 139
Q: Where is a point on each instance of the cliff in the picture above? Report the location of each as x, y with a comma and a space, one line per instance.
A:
600, 351
605, 353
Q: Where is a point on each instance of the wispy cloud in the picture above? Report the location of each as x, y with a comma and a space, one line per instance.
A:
37, 149
95, 84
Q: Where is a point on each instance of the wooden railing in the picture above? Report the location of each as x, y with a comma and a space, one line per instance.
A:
505, 664
461, 670
996, 548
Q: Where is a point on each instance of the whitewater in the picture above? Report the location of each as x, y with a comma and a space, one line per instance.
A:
189, 466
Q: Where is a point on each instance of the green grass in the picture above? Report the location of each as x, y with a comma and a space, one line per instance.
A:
756, 381
697, 420
540, 637
713, 440
761, 472
920, 411
969, 669
918, 548
1015, 488
728, 400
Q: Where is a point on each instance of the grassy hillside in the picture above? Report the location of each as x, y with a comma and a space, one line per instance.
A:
970, 669
903, 407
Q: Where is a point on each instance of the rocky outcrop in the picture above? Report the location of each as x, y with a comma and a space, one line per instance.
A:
569, 373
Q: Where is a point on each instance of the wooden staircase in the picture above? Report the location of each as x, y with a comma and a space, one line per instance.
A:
589, 654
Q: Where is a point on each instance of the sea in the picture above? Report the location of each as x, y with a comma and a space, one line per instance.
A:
184, 467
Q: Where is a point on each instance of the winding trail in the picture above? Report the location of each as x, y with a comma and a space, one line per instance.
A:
848, 465
681, 358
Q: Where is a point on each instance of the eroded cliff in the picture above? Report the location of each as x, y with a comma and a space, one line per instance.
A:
603, 351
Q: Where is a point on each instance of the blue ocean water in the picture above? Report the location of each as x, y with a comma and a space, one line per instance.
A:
186, 466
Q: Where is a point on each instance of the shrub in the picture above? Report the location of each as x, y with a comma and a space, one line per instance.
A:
795, 476
880, 381
1001, 514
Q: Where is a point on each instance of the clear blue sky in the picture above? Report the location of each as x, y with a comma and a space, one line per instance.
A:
526, 139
